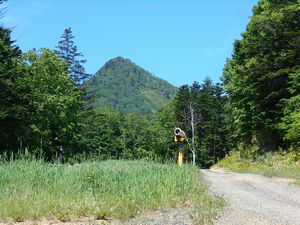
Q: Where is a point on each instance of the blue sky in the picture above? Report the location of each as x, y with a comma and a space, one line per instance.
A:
180, 41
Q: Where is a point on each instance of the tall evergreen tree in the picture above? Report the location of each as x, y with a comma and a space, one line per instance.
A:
11, 97
67, 50
213, 131
181, 110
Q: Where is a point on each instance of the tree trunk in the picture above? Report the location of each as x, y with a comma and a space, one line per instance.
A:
193, 132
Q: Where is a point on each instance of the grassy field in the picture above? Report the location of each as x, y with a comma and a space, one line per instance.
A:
282, 164
110, 189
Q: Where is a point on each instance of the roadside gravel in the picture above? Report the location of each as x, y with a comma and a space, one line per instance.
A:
254, 199
172, 216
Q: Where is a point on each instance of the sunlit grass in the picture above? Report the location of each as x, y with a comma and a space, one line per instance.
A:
285, 165
30, 189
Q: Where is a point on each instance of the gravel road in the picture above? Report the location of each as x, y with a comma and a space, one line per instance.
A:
254, 199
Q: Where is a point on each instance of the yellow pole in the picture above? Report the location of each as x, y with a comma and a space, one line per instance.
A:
180, 158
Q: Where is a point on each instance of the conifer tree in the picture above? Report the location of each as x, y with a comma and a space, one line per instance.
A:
11, 99
67, 50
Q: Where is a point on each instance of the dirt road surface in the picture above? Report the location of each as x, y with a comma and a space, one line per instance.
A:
254, 199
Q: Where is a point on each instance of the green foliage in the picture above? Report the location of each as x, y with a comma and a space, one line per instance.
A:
214, 136
53, 102
137, 137
102, 133
126, 87
257, 78
11, 97
165, 122
291, 121
114, 135
110, 189
39, 103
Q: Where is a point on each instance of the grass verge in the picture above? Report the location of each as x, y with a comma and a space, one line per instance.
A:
31, 189
280, 164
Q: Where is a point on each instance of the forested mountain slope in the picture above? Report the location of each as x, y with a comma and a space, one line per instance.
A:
126, 87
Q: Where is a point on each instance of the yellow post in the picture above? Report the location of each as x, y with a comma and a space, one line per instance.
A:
180, 138
180, 158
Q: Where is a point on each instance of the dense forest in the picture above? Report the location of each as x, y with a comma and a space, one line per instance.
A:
262, 79
50, 107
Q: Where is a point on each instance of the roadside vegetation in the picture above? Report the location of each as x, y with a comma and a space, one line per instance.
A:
31, 189
280, 164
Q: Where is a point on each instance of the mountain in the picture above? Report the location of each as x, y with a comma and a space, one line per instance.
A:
126, 87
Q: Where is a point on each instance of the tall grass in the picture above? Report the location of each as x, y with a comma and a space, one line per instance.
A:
30, 189
280, 164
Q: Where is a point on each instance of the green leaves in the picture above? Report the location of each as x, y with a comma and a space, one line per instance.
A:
257, 78
290, 124
113, 135
49, 103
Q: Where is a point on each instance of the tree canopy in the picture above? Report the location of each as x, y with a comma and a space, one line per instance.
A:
259, 78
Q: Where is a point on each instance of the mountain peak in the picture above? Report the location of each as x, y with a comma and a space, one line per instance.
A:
111, 64
128, 88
